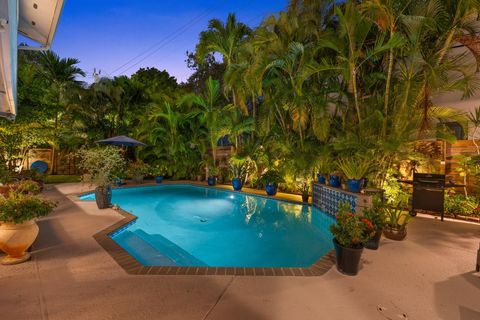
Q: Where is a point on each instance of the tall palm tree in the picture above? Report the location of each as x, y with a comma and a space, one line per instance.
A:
62, 75
225, 39
214, 116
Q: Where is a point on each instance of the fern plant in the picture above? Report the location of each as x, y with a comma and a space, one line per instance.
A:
354, 168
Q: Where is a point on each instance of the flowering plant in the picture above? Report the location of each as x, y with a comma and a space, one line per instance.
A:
351, 230
159, 169
376, 214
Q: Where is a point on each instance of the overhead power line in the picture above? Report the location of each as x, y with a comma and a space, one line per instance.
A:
160, 44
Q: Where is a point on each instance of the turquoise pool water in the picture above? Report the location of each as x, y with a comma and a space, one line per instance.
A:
189, 225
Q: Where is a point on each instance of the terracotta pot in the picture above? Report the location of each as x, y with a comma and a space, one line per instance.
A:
15, 239
394, 233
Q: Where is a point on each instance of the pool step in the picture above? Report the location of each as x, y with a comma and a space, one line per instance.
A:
145, 253
155, 250
168, 248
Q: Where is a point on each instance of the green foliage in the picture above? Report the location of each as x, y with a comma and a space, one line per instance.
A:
52, 179
396, 216
138, 168
238, 167
159, 169
313, 82
28, 187
355, 167
272, 176
18, 208
101, 164
350, 230
376, 214
458, 204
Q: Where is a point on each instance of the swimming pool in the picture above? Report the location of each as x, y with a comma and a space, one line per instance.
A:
186, 225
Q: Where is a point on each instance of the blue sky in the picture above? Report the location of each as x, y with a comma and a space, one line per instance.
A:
107, 34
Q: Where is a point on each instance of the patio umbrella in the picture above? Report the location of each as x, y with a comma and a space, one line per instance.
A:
122, 141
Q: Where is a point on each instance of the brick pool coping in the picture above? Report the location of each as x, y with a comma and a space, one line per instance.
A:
132, 266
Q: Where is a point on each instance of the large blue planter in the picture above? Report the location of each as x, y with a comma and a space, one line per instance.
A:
211, 181
237, 184
321, 178
354, 185
335, 181
271, 189
158, 179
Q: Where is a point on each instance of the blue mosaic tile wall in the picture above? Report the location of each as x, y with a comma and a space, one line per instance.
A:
327, 198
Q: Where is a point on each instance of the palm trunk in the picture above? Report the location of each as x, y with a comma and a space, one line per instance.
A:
473, 139
353, 79
387, 91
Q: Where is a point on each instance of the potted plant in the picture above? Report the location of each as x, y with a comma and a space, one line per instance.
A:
212, 174
324, 166
237, 172
138, 169
18, 229
349, 234
355, 170
270, 181
335, 180
377, 216
396, 220
101, 165
158, 171
305, 190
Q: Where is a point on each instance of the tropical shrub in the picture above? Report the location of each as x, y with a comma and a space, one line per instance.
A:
27, 187
138, 168
101, 164
271, 177
459, 204
351, 230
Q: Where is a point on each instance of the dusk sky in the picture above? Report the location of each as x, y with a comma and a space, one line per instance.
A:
107, 34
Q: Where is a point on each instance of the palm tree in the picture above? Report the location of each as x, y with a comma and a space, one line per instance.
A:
225, 39
61, 74
215, 117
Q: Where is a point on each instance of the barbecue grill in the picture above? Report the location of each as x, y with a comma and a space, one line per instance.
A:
428, 193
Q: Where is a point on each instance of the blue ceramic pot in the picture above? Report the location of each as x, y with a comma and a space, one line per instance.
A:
237, 184
321, 178
335, 181
158, 179
211, 181
271, 189
354, 185
118, 182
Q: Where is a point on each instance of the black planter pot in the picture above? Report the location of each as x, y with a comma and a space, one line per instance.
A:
305, 198
103, 197
374, 242
348, 259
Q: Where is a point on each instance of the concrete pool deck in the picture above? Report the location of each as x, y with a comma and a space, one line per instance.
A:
430, 275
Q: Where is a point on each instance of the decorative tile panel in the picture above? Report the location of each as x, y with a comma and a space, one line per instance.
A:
327, 199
